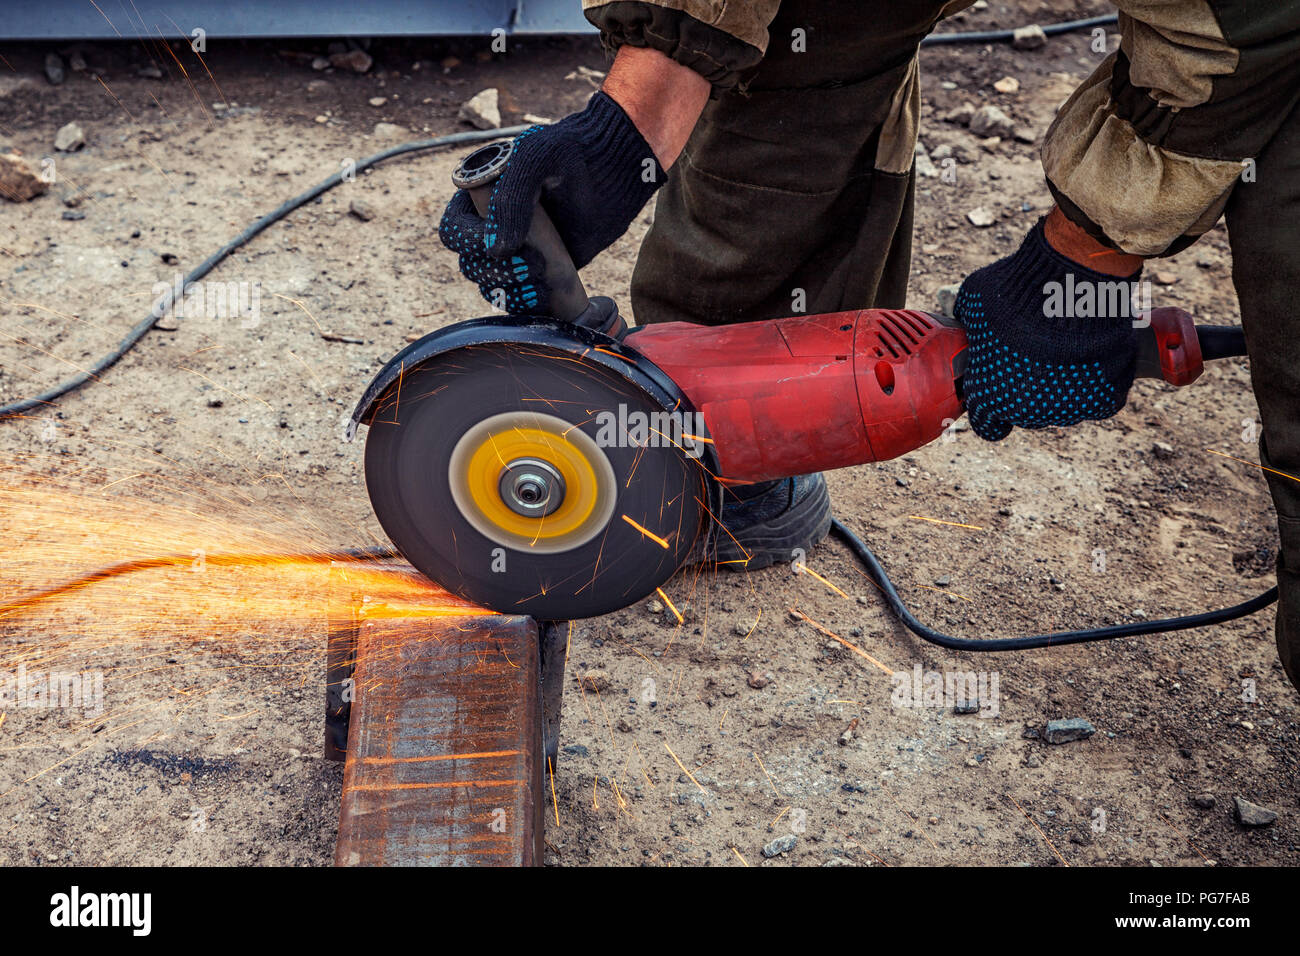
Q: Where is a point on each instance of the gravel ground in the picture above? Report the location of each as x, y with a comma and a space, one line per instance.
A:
225, 434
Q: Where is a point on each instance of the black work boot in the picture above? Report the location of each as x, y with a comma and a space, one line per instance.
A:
772, 521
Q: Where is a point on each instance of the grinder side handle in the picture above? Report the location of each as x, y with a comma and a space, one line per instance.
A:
1174, 348
476, 174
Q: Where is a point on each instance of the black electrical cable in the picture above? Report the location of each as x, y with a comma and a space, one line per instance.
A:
207, 265
1001, 36
877, 573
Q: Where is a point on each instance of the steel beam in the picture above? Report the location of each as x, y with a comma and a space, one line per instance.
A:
445, 762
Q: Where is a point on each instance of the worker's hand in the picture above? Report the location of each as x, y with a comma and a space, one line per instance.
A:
1051, 342
592, 172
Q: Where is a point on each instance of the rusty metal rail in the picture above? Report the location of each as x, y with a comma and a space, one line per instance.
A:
444, 720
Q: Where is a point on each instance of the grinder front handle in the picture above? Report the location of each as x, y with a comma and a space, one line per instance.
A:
476, 174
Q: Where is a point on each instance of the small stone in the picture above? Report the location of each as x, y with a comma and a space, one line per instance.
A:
1029, 37
388, 131
1206, 801
149, 72
215, 402
1164, 278
1066, 731
1024, 134
654, 607
69, 138
483, 109
377, 101
322, 119
1035, 759
623, 726
1008, 84
966, 707
77, 62
1163, 450
941, 152
596, 680
981, 217
358, 61
54, 68
961, 115
991, 121
18, 183
361, 210
758, 680
924, 167
74, 215
780, 845
320, 63
837, 861
1252, 814
947, 298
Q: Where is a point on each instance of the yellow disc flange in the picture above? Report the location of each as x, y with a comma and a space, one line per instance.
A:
485, 451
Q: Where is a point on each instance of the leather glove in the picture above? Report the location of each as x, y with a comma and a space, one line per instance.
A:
1051, 342
593, 172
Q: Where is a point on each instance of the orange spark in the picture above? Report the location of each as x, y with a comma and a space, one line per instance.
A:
802, 568
955, 524
684, 770
1038, 828
677, 614
649, 534
849, 644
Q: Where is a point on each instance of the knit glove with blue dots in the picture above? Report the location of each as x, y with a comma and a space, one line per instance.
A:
592, 171
1047, 344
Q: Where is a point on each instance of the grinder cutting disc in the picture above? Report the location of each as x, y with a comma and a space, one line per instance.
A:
531, 481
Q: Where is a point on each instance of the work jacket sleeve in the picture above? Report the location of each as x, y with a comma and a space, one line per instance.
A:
719, 39
1145, 153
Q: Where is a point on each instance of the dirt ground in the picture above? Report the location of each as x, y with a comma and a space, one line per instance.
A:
208, 750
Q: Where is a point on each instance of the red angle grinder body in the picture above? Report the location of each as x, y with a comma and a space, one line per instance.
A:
813, 393
819, 392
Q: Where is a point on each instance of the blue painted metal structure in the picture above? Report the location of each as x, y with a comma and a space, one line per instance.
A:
128, 19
